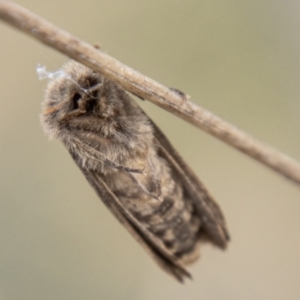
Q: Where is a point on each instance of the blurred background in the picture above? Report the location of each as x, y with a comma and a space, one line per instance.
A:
240, 60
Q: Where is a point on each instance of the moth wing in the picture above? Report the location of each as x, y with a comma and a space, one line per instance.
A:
213, 221
153, 246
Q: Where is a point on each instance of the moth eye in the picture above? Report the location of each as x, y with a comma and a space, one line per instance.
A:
75, 101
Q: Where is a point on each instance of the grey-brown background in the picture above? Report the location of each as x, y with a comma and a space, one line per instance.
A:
239, 59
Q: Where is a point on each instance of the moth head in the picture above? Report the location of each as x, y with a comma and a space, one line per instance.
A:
75, 93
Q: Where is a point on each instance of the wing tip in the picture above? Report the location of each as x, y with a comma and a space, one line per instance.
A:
181, 275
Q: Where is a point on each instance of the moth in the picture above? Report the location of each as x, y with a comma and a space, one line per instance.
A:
132, 167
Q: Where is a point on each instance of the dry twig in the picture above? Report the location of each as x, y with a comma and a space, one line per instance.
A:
147, 88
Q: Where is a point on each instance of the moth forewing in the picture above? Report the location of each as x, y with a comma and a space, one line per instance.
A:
210, 213
152, 245
133, 167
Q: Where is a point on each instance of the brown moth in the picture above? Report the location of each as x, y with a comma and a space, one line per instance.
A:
132, 167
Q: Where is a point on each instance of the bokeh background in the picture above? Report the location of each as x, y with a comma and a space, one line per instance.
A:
239, 59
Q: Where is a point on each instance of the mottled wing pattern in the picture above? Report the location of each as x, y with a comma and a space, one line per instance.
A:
150, 242
213, 222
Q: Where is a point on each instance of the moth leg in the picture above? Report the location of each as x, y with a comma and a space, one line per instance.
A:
92, 89
81, 102
84, 96
72, 114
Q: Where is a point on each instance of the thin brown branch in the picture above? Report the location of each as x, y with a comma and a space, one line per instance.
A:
147, 88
